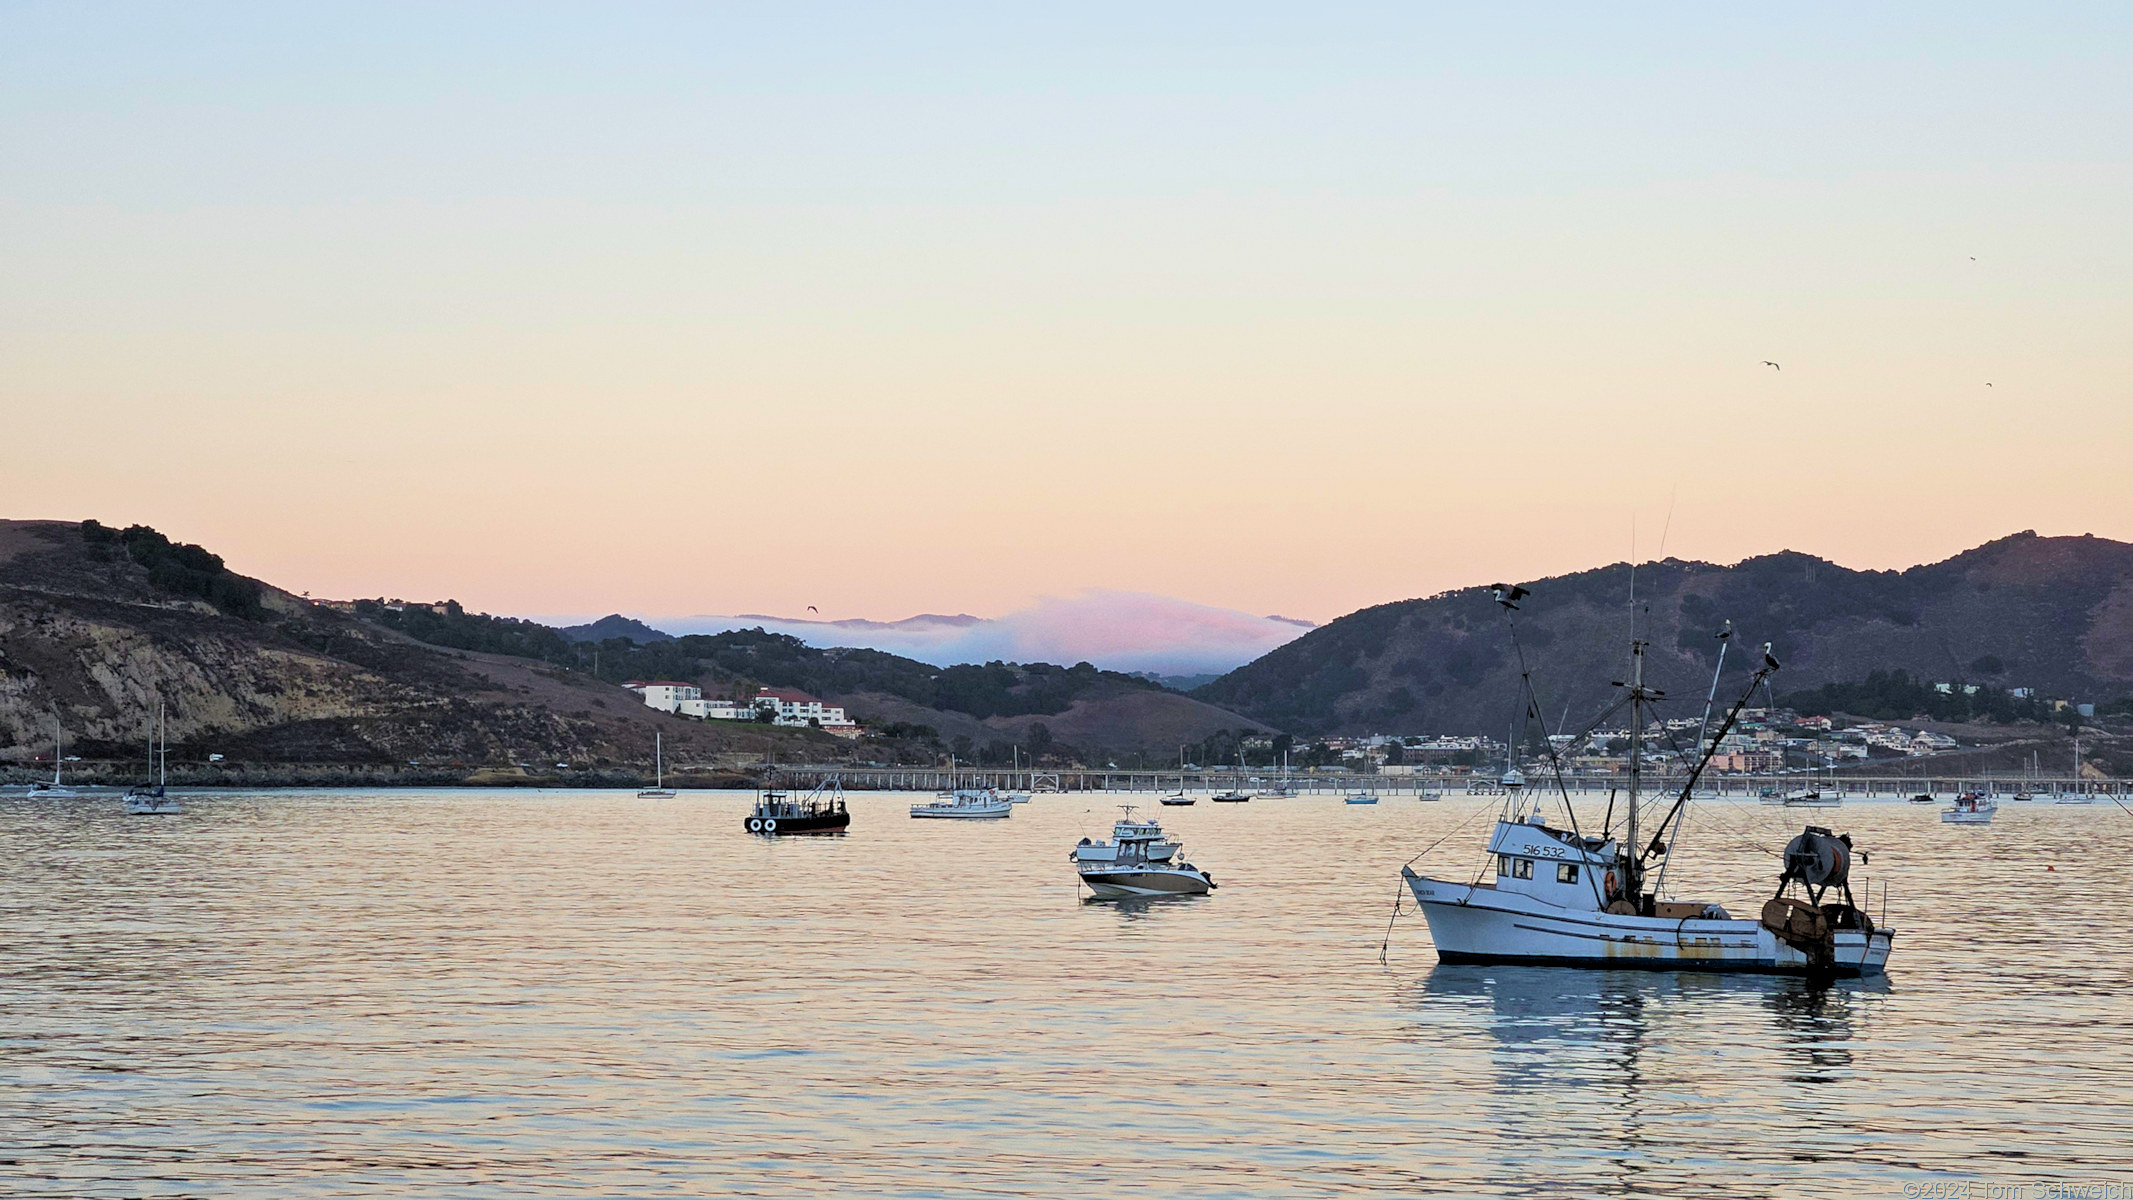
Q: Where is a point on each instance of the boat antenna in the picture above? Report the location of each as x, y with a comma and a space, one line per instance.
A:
1508, 596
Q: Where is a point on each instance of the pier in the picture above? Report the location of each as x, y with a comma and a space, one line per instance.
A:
1329, 783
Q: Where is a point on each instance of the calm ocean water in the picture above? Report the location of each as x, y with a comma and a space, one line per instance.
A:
585, 994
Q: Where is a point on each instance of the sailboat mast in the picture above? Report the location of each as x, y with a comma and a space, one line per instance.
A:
1631, 881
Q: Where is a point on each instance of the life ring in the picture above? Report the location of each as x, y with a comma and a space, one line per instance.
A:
755, 825
770, 824
1613, 885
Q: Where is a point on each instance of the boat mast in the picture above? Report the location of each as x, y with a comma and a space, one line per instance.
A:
1632, 876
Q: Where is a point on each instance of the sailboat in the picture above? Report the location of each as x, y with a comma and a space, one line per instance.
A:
1236, 793
150, 799
1561, 897
55, 790
1282, 787
2079, 795
659, 789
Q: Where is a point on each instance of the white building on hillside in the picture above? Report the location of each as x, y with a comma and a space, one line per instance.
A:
666, 695
801, 709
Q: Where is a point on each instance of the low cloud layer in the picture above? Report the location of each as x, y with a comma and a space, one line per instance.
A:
1121, 631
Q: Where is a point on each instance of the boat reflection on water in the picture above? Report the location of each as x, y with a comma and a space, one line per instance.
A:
1641, 1078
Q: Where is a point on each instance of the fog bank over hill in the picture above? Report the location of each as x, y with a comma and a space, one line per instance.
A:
1115, 630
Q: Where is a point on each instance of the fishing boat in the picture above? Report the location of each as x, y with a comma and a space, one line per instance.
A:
822, 810
966, 804
1557, 896
57, 789
1971, 808
659, 789
151, 799
1139, 863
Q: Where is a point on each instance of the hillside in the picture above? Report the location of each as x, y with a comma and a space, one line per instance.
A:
2053, 614
96, 624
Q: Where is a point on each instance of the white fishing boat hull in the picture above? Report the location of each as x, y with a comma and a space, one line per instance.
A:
1955, 817
1473, 923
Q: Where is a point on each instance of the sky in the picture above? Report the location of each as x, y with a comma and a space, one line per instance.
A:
890, 309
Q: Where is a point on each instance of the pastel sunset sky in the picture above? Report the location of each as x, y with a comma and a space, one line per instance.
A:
901, 308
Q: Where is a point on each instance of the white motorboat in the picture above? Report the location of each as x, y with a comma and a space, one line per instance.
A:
1804, 798
1147, 836
151, 800
966, 804
1971, 808
57, 789
1139, 863
2073, 798
1560, 897
659, 789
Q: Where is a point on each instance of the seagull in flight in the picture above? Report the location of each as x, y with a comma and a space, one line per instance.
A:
811, 608
1773, 366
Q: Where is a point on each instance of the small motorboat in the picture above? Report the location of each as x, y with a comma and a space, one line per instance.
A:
1971, 808
822, 810
1428, 797
1923, 798
1139, 863
1231, 797
1146, 836
1360, 798
966, 804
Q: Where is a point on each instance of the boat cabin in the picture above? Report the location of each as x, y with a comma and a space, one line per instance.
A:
1553, 865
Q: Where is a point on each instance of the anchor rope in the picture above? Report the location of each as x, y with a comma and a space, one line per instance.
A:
1399, 890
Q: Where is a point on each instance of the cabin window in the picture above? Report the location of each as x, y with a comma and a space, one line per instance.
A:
1503, 864
1566, 872
1521, 868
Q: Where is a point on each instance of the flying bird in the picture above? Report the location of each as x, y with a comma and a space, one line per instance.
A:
811, 608
1509, 594
1773, 366
1988, 383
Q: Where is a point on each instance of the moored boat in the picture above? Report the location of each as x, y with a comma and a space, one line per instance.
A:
57, 789
966, 804
822, 810
1146, 836
1360, 798
659, 789
1141, 862
150, 799
1561, 897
